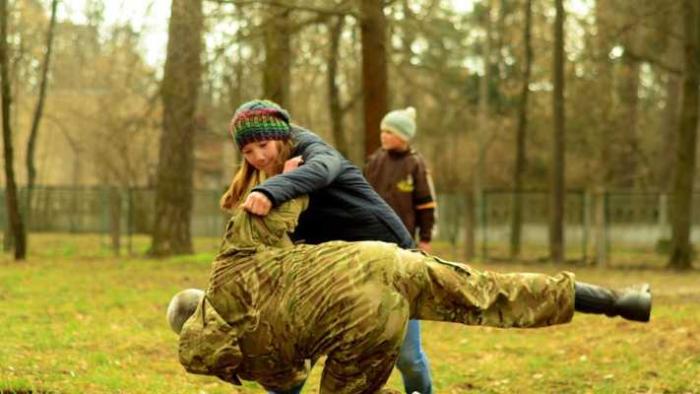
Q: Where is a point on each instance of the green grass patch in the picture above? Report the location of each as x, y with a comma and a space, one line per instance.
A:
89, 322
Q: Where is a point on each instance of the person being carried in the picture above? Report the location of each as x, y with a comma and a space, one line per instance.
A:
400, 175
272, 308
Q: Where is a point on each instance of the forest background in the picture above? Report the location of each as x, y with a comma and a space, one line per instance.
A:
561, 135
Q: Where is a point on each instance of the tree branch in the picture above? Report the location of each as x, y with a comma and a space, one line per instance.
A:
638, 57
282, 4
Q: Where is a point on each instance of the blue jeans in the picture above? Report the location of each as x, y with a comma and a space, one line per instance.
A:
412, 364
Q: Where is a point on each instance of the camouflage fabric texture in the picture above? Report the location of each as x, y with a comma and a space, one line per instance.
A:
273, 308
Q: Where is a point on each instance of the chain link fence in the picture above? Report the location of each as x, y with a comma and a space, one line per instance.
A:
616, 225
612, 222
105, 210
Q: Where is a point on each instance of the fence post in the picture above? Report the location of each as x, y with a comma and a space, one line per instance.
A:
601, 227
104, 195
129, 219
115, 205
586, 222
483, 224
664, 228
469, 227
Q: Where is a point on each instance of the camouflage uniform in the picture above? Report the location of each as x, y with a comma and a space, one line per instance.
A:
272, 308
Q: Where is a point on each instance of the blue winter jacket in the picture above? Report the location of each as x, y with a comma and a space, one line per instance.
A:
342, 205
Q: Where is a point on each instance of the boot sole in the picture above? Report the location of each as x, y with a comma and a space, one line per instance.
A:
638, 308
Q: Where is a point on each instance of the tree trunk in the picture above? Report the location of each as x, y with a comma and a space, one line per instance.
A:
520, 156
38, 111
278, 57
16, 227
501, 31
627, 161
670, 116
681, 255
556, 229
374, 70
235, 82
605, 128
483, 131
336, 111
669, 129
408, 37
181, 80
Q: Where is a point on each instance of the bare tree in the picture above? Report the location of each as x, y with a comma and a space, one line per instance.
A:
681, 256
628, 118
12, 204
38, 111
335, 27
408, 37
520, 157
668, 127
483, 132
374, 70
278, 56
181, 80
556, 215
605, 129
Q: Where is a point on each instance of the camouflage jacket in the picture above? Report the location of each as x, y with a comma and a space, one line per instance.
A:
272, 306
209, 341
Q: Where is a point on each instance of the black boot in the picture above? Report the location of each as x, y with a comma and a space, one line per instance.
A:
631, 304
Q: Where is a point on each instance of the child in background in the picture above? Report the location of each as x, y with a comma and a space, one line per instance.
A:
282, 161
400, 176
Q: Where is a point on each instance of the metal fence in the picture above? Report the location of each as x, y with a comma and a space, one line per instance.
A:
630, 220
105, 210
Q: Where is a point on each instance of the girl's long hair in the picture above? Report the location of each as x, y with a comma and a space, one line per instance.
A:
247, 177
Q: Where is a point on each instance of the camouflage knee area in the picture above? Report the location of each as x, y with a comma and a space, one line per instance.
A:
366, 373
367, 353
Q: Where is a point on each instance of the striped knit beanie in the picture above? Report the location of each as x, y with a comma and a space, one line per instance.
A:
259, 120
401, 122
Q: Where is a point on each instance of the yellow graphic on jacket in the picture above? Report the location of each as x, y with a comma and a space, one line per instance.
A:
406, 185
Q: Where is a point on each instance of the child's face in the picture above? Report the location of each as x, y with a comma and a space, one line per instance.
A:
391, 141
262, 155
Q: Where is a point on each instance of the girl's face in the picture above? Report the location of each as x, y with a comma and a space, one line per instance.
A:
391, 141
262, 155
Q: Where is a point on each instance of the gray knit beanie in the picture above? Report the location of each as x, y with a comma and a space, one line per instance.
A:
401, 122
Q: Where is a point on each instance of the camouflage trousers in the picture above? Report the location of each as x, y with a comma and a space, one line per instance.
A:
360, 316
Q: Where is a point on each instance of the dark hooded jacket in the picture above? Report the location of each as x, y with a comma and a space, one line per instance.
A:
402, 179
342, 205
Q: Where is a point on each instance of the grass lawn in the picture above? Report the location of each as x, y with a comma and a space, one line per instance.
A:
75, 320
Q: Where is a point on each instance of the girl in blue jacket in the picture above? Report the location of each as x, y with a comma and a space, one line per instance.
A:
283, 161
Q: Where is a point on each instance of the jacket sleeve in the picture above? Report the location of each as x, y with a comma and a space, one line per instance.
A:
246, 231
424, 203
322, 164
369, 169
